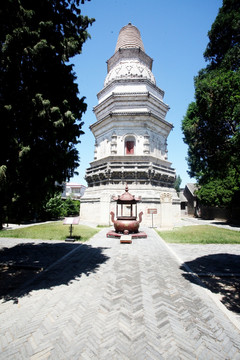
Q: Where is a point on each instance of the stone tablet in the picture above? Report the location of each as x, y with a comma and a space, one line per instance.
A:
126, 239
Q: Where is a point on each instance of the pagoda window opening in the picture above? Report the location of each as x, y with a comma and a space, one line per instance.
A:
130, 145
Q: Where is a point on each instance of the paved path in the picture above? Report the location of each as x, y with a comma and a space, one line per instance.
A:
107, 300
189, 221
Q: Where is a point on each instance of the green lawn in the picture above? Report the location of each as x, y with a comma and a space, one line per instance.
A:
201, 234
51, 231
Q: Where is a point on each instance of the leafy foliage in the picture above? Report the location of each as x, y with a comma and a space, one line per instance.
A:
40, 108
177, 183
211, 125
56, 207
223, 48
71, 207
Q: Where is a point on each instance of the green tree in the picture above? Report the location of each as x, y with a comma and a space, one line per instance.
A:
177, 183
54, 207
71, 207
211, 126
40, 108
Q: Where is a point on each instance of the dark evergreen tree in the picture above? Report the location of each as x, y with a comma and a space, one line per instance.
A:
177, 183
211, 126
40, 108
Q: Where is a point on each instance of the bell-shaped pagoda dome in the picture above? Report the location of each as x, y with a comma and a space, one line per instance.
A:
129, 37
129, 60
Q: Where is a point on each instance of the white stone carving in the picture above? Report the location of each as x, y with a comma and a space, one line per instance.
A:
165, 197
129, 68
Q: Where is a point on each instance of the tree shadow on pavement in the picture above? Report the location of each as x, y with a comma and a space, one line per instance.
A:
220, 273
32, 266
231, 225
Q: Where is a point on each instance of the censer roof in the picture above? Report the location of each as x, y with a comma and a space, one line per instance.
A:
126, 197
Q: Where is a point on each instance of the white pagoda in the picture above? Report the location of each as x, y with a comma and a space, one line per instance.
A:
131, 139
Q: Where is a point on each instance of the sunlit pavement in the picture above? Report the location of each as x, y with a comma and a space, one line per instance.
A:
106, 300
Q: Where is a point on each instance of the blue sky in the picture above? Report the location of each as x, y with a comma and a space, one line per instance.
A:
174, 34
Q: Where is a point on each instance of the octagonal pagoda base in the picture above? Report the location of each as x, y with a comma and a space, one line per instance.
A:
97, 203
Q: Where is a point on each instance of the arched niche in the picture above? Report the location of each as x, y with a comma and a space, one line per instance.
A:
129, 145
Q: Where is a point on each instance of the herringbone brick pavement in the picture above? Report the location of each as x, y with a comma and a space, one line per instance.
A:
125, 302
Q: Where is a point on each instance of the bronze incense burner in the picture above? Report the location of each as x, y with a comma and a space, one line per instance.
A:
126, 213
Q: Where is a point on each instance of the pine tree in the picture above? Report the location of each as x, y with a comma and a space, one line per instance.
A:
211, 126
40, 107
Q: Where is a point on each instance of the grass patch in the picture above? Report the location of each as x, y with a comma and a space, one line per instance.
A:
51, 231
201, 234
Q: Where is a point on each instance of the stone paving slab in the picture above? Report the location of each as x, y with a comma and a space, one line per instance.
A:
107, 300
218, 267
22, 259
189, 221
